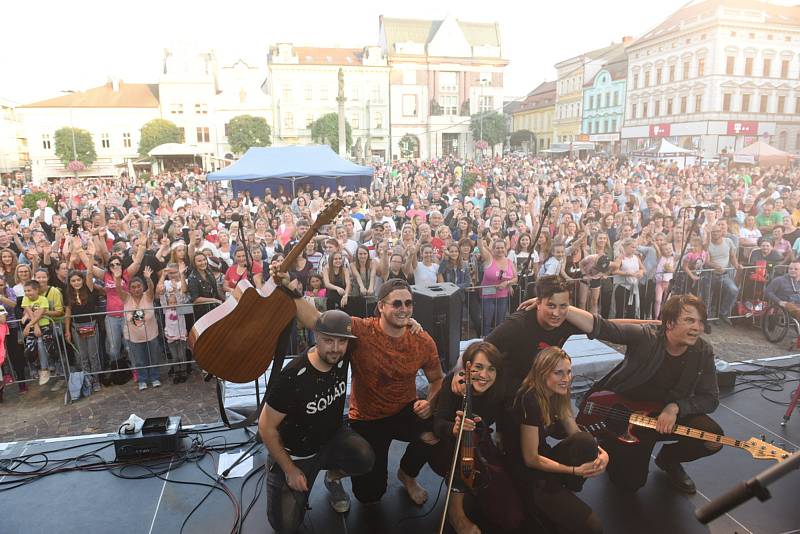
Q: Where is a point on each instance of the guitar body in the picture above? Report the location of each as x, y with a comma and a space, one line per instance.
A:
597, 421
237, 340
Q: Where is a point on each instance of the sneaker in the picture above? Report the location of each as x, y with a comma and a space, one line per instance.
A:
156, 383
44, 376
57, 385
337, 496
677, 475
142, 386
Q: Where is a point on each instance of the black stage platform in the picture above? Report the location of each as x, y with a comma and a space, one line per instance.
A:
80, 502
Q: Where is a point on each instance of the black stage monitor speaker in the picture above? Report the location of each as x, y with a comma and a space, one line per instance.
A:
438, 309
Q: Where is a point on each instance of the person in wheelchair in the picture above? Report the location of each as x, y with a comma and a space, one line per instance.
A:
784, 290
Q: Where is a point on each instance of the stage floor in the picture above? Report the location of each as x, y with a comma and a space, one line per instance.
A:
77, 502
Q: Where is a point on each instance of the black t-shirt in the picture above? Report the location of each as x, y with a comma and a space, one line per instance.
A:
658, 387
520, 338
526, 411
313, 402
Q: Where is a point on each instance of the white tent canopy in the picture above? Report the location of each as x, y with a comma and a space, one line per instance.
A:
174, 149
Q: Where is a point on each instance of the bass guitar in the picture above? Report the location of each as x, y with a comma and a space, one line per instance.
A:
611, 415
237, 340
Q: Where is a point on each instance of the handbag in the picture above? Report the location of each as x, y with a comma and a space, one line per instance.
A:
87, 330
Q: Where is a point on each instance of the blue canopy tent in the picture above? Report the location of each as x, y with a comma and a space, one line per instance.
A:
290, 167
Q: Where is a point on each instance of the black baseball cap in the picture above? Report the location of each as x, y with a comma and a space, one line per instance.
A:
335, 323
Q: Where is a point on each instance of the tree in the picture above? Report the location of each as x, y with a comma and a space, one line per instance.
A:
409, 146
490, 126
522, 138
157, 132
84, 146
326, 130
245, 131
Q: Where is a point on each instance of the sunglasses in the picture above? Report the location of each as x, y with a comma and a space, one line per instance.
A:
397, 304
115, 264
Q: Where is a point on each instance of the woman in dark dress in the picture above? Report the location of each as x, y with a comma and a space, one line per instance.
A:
546, 476
80, 327
203, 289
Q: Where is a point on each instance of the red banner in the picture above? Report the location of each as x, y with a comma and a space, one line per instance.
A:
742, 128
659, 130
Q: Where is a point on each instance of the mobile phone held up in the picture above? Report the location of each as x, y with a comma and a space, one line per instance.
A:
73, 228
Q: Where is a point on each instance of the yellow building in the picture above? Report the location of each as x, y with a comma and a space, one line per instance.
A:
535, 114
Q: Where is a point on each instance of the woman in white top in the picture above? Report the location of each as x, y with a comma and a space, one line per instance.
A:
628, 270
749, 234
425, 271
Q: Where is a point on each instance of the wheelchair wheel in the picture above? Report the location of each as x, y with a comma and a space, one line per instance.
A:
775, 324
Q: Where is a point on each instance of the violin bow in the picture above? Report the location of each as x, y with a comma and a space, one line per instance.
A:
454, 463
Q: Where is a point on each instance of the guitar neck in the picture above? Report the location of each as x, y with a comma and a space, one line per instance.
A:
681, 430
298, 249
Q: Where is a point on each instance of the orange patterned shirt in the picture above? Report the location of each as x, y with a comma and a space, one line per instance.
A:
385, 369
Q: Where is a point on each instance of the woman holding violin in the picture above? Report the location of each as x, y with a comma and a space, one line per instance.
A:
546, 476
480, 469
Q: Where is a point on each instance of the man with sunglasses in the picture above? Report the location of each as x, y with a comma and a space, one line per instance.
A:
383, 401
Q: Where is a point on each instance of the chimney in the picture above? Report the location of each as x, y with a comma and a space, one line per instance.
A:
114, 81
626, 40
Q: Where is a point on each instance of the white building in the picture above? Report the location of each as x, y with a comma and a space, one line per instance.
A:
304, 85
112, 113
13, 150
442, 71
715, 76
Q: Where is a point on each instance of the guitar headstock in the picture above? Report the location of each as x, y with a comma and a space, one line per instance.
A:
761, 450
329, 213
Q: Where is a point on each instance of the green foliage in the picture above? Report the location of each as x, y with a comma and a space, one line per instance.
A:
467, 181
409, 146
29, 201
522, 137
326, 130
246, 131
490, 126
84, 146
157, 132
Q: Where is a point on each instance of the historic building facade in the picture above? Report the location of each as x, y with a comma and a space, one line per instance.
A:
535, 114
716, 76
604, 105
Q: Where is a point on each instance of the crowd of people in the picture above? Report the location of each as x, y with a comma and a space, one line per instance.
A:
127, 265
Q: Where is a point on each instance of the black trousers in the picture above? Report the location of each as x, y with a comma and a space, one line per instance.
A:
551, 495
629, 464
379, 433
346, 451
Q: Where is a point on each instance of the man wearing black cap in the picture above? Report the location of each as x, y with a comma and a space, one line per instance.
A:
302, 427
383, 400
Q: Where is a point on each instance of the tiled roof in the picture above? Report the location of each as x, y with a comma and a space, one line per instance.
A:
328, 56
128, 95
543, 96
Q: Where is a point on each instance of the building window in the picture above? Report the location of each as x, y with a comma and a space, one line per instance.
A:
105, 142
449, 104
201, 109
308, 91
781, 105
748, 66
698, 103
797, 105
659, 71
701, 67
730, 65
685, 70
591, 102
354, 93
726, 102
635, 80
672, 73
288, 120
669, 106
764, 102
644, 110
647, 79
448, 82
785, 69
616, 98
182, 131
608, 99
683, 104
589, 127
126, 140
633, 111
203, 135
355, 121
486, 104
613, 125
323, 93
605, 126
410, 105
746, 102
310, 121
767, 67
46, 144
287, 92
375, 94
176, 109
657, 108
597, 126
378, 121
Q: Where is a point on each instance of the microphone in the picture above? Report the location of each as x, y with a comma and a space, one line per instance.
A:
551, 198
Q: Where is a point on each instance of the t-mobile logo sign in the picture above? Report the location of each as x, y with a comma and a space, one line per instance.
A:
659, 130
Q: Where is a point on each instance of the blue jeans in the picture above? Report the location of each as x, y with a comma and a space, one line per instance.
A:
144, 354
114, 336
494, 312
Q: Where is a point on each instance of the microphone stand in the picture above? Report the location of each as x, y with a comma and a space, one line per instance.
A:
686, 237
545, 209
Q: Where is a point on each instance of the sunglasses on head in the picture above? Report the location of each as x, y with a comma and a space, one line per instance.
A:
397, 304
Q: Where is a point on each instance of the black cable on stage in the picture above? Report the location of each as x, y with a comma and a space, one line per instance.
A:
421, 516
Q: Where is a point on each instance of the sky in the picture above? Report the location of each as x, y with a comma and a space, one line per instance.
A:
51, 46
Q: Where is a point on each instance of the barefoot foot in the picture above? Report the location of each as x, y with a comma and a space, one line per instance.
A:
416, 492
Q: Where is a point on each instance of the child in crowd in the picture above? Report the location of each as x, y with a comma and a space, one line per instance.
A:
664, 272
37, 330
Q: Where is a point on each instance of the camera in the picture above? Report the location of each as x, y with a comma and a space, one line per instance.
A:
73, 228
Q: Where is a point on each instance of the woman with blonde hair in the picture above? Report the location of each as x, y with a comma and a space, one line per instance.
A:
548, 476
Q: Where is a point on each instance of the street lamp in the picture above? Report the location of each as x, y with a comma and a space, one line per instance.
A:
72, 130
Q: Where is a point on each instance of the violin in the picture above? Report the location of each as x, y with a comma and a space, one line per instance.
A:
237, 340
467, 451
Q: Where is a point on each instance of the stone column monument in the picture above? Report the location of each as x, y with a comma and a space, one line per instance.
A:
340, 99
